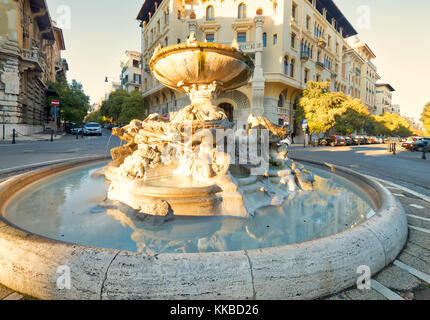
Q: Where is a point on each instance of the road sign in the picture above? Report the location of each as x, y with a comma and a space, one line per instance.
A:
286, 121
305, 122
55, 103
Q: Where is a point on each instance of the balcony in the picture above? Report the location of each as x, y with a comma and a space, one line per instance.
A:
34, 57
320, 65
321, 42
334, 75
247, 47
304, 56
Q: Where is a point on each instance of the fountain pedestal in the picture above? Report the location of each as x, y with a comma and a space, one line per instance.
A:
189, 147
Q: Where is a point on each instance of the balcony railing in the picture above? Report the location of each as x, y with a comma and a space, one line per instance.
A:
320, 64
321, 42
304, 56
33, 55
248, 46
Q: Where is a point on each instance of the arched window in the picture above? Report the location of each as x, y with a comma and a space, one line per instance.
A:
281, 101
292, 68
264, 39
286, 65
210, 13
242, 11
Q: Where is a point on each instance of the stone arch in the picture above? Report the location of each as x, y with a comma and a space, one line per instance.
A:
236, 98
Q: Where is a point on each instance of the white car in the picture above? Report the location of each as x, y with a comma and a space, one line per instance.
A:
92, 128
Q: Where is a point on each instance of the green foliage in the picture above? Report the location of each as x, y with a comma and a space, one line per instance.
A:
95, 116
390, 124
74, 103
425, 118
354, 119
323, 109
123, 107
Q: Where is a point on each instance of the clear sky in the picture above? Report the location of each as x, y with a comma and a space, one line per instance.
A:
397, 31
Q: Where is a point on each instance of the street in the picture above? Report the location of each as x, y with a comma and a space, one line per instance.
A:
373, 160
68, 148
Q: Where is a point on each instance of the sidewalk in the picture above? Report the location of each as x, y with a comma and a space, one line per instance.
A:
33, 138
412, 155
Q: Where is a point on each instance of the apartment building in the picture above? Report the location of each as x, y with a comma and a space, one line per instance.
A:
30, 56
384, 98
291, 42
367, 72
131, 72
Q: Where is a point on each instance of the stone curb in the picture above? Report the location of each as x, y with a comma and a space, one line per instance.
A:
319, 268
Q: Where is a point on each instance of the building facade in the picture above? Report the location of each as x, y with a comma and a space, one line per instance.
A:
384, 98
131, 72
30, 57
290, 41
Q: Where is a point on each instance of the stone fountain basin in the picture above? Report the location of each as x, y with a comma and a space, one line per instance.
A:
201, 63
29, 263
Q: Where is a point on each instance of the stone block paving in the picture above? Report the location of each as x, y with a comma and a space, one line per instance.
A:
408, 278
412, 280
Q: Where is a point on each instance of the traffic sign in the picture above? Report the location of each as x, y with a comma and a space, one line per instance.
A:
55, 103
286, 121
305, 122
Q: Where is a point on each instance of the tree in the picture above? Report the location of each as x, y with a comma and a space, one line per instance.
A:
390, 124
123, 107
425, 118
95, 116
74, 103
112, 107
354, 118
133, 107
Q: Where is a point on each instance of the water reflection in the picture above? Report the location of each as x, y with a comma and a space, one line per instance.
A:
66, 208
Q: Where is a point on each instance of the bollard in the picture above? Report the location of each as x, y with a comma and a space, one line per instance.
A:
394, 148
13, 136
77, 135
424, 154
52, 135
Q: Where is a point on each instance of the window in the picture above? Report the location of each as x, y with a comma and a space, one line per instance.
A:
241, 37
210, 13
292, 68
135, 63
166, 16
275, 39
308, 23
294, 11
179, 14
286, 65
306, 75
293, 40
264, 39
210, 37
178, 41
242, 11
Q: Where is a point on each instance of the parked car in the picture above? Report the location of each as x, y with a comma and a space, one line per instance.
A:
77, 129
349, 141
421, 145
92, 128
333, 141
68, 126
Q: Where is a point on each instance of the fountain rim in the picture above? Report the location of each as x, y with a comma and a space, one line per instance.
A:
200, 46
385, 233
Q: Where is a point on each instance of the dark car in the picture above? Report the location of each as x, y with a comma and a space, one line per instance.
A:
421, 145
68, 126
333, 141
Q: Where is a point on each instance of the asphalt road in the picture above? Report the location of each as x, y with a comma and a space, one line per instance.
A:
67, 148
373, 160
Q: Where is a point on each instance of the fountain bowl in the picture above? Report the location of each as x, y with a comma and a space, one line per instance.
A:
34, 265
201, 63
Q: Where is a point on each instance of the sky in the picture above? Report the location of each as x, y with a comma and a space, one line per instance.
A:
98, 32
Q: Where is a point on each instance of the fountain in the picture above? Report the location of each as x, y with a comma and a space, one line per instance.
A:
190, 146
190, 209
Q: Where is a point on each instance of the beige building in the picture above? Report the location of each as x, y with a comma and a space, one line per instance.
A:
395, 108
384, 97
30, 56
290, 41
367, 73
131, 72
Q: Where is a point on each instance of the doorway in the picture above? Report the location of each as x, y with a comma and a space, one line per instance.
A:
228, 110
